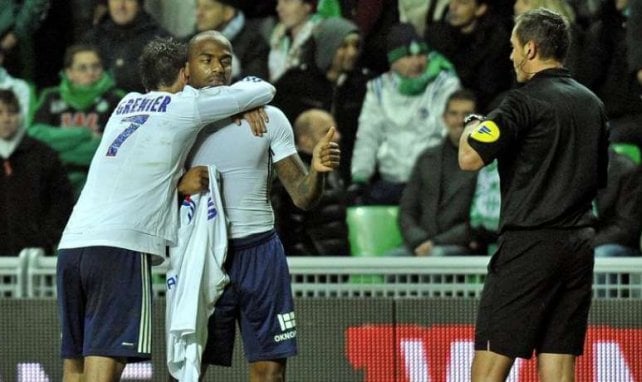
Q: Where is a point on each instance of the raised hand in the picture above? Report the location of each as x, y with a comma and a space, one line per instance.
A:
326, 155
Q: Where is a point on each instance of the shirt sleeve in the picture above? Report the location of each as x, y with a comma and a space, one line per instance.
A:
502, 127
216, 103
281, 134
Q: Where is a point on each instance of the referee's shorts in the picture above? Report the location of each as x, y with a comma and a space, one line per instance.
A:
537, 294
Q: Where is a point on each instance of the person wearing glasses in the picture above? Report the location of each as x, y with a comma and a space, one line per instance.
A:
71, 117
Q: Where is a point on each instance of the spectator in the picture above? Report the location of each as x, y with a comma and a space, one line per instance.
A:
18, 21
36, 197
619, 210
250, 48
375, 18
484, 210
434, 208
422, 12
54, 35
401, 116
120, 39
474, 38
321, 231
21, 88
71, 117
331, 80
563, 8
290, 35
605, 70
175, 16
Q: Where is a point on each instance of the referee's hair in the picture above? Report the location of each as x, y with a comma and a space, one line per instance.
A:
161, 62
549, 31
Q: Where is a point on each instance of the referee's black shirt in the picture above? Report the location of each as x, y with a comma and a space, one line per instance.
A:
551, 142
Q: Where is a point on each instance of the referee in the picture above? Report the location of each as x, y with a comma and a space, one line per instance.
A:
549, 137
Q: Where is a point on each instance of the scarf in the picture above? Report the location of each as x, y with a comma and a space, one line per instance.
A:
412, 86
82, 97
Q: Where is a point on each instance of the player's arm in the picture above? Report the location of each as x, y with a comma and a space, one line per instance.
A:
216, 103
306, 187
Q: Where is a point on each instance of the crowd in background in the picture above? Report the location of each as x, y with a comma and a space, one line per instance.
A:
396, 77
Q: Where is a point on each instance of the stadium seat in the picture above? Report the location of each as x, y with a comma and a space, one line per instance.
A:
373, 230
628, 149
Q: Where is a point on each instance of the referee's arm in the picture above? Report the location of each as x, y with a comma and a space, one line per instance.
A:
469, 159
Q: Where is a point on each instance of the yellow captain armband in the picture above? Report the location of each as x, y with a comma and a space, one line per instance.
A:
486, 132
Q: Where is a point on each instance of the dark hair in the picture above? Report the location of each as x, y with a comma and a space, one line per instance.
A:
8, 97
72, 50
462, 94
547, 29
161, 62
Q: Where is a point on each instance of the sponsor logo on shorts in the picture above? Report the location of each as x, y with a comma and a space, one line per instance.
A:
286, 321
285, 336
486, 132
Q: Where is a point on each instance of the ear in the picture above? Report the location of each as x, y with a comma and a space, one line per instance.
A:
481, 10
228, 13
530, 50
185, 71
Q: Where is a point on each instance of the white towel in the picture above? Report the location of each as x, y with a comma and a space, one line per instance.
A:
195, 279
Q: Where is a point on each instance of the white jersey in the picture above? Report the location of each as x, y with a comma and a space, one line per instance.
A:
129, 199
195, 280
245, 164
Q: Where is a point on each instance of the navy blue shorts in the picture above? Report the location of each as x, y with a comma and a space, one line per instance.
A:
259, 298
104, 303
537, 294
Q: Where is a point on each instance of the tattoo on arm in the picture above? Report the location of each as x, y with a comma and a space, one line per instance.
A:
305, 188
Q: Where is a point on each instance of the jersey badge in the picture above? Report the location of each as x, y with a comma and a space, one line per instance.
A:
486, 132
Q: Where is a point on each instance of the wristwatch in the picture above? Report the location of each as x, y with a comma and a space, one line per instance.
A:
473, 117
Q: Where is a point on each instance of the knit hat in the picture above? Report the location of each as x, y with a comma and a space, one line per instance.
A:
328, 36
403, 41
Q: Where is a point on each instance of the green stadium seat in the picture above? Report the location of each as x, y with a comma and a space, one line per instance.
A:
628, 149
373, 230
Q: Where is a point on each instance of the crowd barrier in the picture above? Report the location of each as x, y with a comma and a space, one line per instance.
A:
366, 319
32, 275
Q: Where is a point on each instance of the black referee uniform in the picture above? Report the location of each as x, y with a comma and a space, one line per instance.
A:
550, 140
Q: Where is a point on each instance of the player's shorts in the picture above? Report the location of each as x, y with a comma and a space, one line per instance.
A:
104, 303
537, 294
259, 297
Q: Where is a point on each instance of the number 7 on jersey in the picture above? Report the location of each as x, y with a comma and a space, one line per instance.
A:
136, 122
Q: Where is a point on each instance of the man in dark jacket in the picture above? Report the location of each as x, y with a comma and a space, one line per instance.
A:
434, 207
35, 195
619, 209
120, 38
474, 38
321, 231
